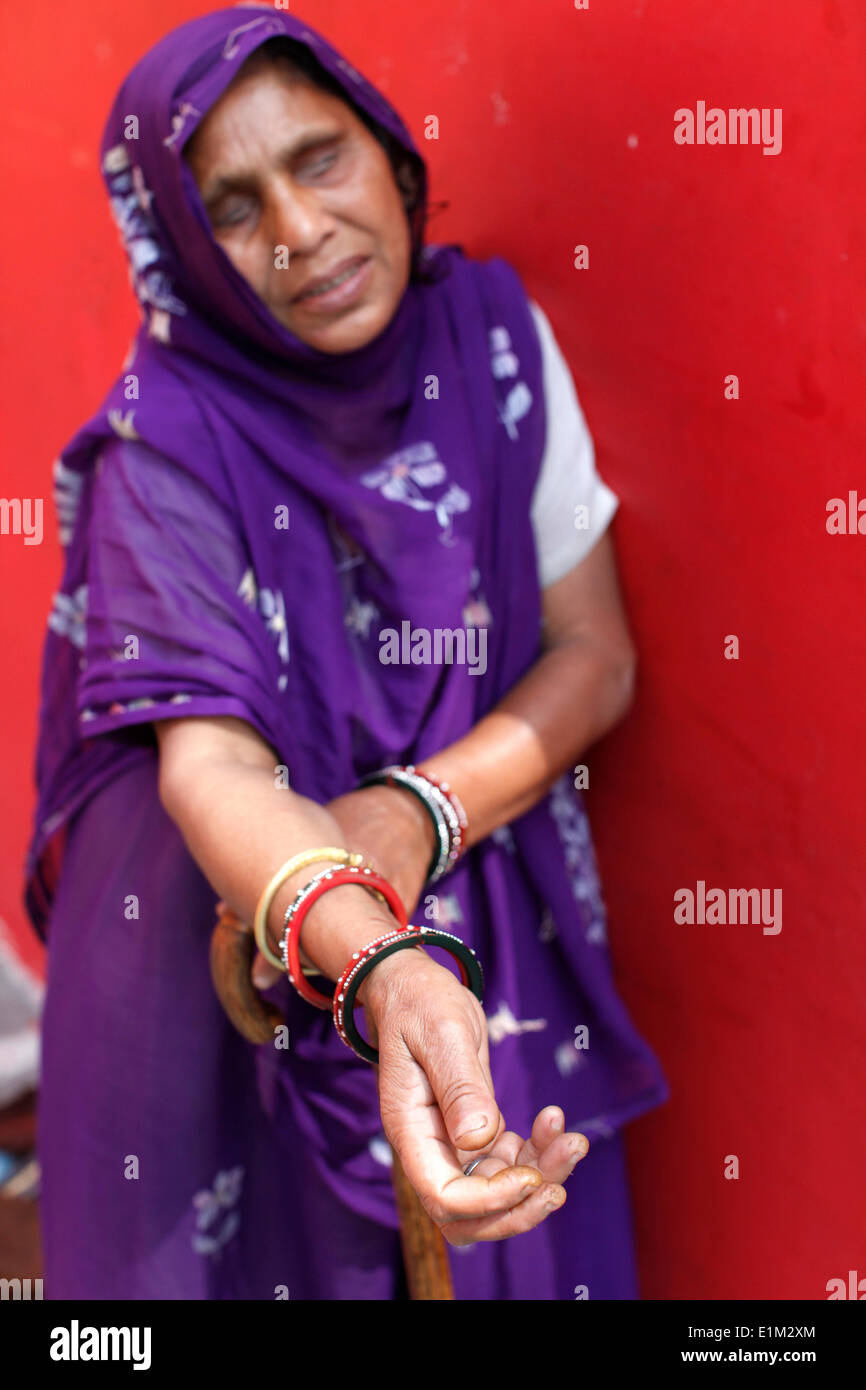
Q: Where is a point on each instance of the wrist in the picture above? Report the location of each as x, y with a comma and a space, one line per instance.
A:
343, 920
418, 826
379, 985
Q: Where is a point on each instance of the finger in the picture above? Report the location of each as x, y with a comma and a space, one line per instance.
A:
416, 1129
549, 1149
446, 1193
548, 1125
462, 1090
501, 1154
472, 1198
264, 974
525, 1217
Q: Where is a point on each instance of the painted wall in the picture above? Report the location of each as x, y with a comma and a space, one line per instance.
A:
704, 261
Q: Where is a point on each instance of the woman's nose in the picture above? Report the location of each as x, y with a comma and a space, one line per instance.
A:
298, 219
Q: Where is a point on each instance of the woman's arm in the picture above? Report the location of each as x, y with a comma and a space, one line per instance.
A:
217, 782
580, 686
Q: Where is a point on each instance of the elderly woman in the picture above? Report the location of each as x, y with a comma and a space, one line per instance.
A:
337, 579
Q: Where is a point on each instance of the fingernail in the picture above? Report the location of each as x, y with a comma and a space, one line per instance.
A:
576, 1155
555, 1201
557, 1124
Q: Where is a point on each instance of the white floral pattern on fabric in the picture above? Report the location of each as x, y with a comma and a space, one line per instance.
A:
447, 912
68, 616
380, 1150
401, 477
123, 424
231, 45
503, 1024
573, 828
178, 122
567, 1058
477, 612
216, 1221
505, 363
272, 606
359, 614
130, 206
67, 496
598, 1122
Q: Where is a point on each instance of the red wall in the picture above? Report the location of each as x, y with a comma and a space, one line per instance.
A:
704, 261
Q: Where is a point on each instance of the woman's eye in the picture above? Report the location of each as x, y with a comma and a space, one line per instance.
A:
229, 217
321, 165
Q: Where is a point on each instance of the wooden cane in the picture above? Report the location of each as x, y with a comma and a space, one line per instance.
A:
232, 949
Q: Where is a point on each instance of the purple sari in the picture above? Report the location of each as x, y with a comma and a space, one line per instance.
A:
242, 519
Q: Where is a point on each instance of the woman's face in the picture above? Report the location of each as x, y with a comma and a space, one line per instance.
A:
294, 185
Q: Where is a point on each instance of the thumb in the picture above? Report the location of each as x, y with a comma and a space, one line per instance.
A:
462, 1089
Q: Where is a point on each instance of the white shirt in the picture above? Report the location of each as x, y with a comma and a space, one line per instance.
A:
568, 478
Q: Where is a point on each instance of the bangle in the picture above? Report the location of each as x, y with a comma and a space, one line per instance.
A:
457, 823
291, 866
452, 797
362, 963
290, 945
442, 806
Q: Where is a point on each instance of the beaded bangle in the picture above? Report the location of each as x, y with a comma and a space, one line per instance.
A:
309, 894
450, 795
291, 866
441, 804
362, 963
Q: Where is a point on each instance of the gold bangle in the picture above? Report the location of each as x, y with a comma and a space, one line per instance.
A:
291, 866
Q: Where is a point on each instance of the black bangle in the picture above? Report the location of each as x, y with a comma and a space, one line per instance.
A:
344, 1002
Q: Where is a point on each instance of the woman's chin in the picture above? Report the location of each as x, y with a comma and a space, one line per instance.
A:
342, 333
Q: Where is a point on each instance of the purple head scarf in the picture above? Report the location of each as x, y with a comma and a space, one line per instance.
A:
387, 489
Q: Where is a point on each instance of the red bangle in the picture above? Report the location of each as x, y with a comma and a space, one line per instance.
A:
332, 878
363, 961
366, 954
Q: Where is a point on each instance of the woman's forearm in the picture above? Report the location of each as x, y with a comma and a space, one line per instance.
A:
571, 696
240, 828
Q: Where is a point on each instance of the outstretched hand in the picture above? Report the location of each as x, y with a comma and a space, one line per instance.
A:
439, 1110
436, 1095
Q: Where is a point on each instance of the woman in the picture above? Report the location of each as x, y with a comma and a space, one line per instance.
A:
291, 492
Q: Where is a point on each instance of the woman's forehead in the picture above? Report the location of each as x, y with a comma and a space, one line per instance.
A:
275, 107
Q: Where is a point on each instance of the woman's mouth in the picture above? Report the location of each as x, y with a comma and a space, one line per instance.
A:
341, 289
